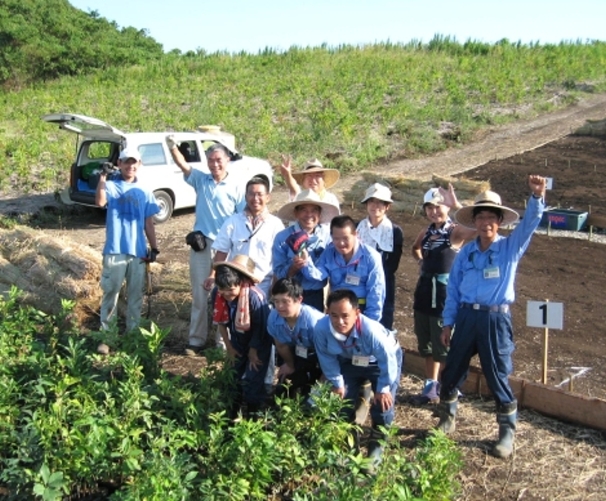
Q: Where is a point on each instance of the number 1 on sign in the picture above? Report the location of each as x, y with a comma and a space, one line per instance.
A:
545, 314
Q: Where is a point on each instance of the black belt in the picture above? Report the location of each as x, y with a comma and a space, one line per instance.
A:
500, 308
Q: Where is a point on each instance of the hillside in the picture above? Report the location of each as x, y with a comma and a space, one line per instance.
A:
351, 107
45, 39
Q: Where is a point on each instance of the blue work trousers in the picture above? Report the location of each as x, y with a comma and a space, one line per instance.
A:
490, 335
354, 377
252, 381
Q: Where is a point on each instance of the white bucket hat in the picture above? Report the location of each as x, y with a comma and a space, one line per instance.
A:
378, 191
487, 198
308, 197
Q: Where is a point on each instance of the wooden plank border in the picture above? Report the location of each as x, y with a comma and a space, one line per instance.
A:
548, 400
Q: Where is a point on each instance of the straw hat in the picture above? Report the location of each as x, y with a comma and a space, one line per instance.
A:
487, 198
308, 197
433, 197
243, 264
378, 191
331, 176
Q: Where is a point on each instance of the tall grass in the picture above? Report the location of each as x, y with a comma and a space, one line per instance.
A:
349, 106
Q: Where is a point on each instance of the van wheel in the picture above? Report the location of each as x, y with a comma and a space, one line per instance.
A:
166, 206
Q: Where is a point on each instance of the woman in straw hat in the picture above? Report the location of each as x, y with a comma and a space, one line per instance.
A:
378, 232
479, 294
309, 233
241, 311
313, 177
435, 249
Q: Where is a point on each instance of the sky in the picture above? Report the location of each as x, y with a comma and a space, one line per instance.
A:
252, 25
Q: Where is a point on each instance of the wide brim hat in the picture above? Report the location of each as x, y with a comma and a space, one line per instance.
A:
433, 197
331, 176
243, 264
378, 191
464, 216
308, 197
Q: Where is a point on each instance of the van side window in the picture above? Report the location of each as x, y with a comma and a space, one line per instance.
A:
189, 150
152, 154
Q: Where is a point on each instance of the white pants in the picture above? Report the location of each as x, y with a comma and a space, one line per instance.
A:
116, 269
200, 264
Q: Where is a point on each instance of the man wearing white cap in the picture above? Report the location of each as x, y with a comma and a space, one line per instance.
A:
478, 298
378, 232
130, 211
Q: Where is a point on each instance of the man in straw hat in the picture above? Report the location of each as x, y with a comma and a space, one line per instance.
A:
218, 196
479, 294
435, 249
309, 233
241, 311
313, 177
350, 264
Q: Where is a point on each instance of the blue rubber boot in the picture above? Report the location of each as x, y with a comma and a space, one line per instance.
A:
506, 417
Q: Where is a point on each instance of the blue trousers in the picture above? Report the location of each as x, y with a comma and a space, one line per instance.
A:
251, 381
354, 377
490, 335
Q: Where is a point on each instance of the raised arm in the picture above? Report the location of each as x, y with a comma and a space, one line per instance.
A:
286, 172
177, 155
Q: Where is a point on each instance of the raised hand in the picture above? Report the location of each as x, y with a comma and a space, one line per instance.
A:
537, 184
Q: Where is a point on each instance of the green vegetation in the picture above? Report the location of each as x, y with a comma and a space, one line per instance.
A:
351, 107
73, 422
44, 39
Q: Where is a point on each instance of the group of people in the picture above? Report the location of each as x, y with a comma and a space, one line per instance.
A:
243, 259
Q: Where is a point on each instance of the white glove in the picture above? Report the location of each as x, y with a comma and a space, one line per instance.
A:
170, 142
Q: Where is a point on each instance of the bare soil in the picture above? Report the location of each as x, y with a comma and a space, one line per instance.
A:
552, 460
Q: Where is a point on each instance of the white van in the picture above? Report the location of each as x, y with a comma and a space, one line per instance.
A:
98, 142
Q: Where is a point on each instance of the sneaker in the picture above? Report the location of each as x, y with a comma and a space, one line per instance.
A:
430, 393
192, 351
103, 349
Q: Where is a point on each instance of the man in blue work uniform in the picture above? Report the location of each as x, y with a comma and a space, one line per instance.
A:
291, 324
353, 349
350, 264
479, 294
311, 233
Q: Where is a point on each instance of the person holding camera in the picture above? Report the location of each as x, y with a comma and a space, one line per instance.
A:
130, 212
218, 196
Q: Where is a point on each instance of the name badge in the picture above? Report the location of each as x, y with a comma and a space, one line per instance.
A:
492, 272
301, 351
360, 361
352, 280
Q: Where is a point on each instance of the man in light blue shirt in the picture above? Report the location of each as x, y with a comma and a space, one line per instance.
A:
311, 233
478, 298
218, 196
291, 324
353, 349
130, 212
350, 264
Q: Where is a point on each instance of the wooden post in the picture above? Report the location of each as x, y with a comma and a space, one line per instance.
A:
545, 349
414, 211
570, 382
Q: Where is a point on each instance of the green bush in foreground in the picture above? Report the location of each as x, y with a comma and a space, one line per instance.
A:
72, 421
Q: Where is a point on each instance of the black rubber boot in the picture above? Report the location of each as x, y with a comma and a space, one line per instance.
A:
506, 417
375, 449
447, 409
